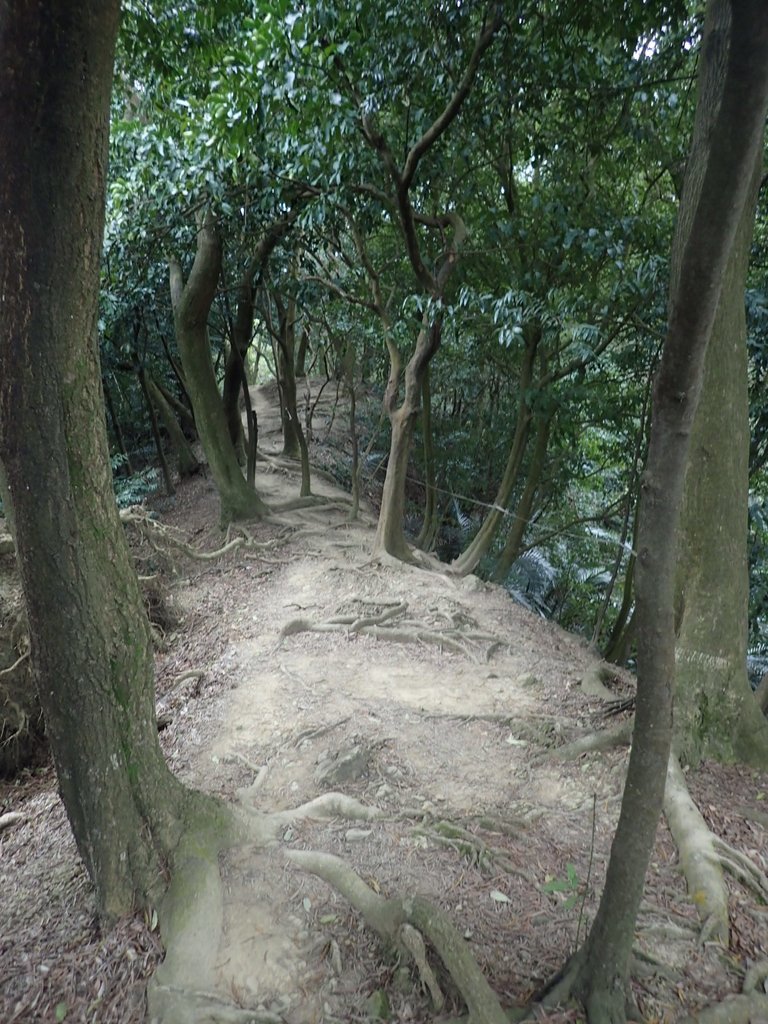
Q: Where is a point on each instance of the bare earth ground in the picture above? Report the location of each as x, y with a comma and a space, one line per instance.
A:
453, 741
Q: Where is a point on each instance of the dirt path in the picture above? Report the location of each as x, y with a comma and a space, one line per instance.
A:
439, 736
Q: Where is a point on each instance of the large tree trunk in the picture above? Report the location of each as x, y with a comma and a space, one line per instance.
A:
191, 305
92, 656
730, 112
716, 714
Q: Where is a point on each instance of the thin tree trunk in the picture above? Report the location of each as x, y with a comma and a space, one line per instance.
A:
390, 538
524, 508
468, 560
428, 533
164, 468
116, 430
186, 462
730, 113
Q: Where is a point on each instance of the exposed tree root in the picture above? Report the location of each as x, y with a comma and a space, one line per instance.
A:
756, 975
389, 917
594, 679
379, 623
619, 736
742, 868
191, 917
488, 859
743, 1009
311, 501
698, 860
166, 539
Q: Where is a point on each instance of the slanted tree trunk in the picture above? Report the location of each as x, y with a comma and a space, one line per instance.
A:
469, 559
716, 714
186, 460
91, 648
730, 113
164, 468
522, 514
191, 305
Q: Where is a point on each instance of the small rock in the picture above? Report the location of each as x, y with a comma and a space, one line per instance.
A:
345, 766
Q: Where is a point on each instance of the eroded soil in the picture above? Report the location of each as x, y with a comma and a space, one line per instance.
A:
451, 726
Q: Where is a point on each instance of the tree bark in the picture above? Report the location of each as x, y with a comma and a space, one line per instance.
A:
91, 648
522, 514
469, 559
116, 429
726, 140
390, 538
186, 461
431, 525
164, 468
715, 712
235, 379
191, 305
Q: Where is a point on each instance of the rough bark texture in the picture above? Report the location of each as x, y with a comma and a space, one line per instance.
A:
727, 137
191, 305
390, 538
715, 712
92, 656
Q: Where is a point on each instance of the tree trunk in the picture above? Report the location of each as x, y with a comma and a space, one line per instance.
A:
191, 306
294, 441
164, 468
301, 355
92, 655
390, 538
715, 712
186, 461
469, 560
431, 525
287, 381
522, 514
730, 112
116, 430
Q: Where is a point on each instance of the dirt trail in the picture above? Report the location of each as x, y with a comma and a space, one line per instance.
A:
459, 732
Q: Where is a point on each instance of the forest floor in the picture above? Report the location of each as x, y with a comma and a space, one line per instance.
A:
446, 715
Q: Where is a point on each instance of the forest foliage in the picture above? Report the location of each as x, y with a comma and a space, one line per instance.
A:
564, 163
